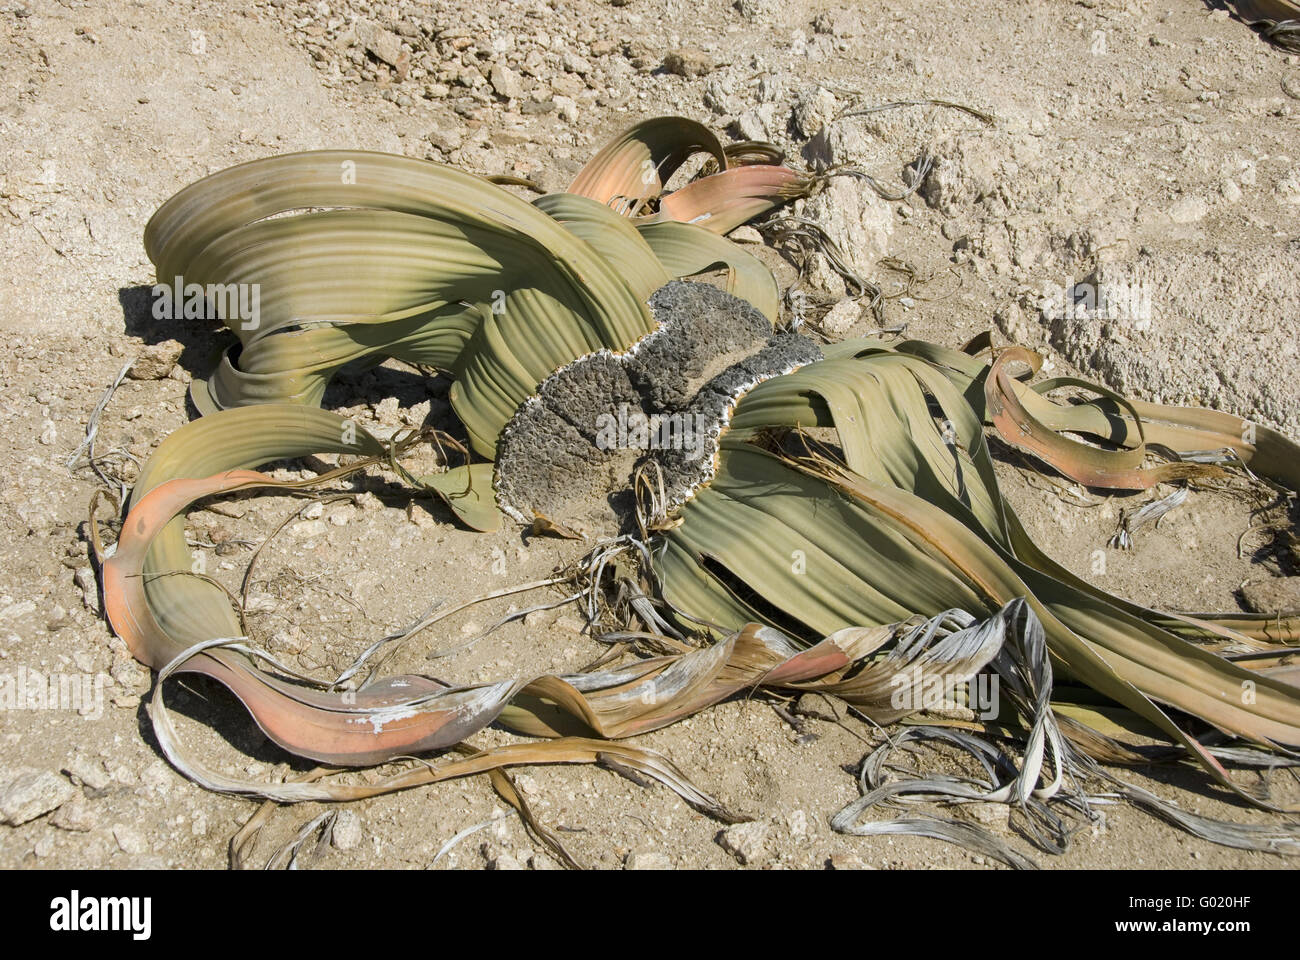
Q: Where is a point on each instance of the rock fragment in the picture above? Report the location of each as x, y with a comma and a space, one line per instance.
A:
814, 107
647, 860
129, 839
688, 62
747, 842
1189, 210
507, 84
381, 44
76, 816
839, 320
87, 772
156, 361
29, 793
346, 834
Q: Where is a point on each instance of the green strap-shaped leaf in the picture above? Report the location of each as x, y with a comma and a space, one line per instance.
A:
467, 490
686, 250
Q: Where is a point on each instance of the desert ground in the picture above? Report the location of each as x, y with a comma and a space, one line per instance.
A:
1151, 146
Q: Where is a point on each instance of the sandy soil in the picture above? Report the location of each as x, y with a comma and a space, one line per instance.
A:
1151, 142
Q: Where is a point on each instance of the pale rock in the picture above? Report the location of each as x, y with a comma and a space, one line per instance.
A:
305, 529
128, 674
286, 641
58, 619
755, 123
156, 361
1015, 324
858, 221
29, 793
88, 772
954, 229
418, 514
1188, 210
1148, 300
76, 816
446, 139
129, 839
500, 831
838, 143
839, 320
380, 43
416, 414
84, 578
346, 834
574, 63
506, 82
642, 55
18, 610
747, 842
368, 502
566, 108
964, 170
536, 619
814, 107
158, 777
719, 98
261, 603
